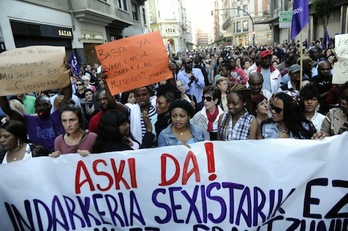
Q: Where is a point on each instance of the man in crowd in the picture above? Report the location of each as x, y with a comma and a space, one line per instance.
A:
271, 75
106, 101
193, 80
323, 82
255, 83
144, 108
44, 127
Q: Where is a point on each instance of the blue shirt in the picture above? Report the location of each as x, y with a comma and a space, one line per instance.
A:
270, 130
167, 138
196, 88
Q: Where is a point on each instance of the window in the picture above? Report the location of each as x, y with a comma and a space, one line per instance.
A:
245, 8
144, 16
245, 26
122, 4
135, 12
238, 11
170, 30
239, 27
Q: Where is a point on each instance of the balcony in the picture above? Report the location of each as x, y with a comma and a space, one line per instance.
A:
140, 2
101, 13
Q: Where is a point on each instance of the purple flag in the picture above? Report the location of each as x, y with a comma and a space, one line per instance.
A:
300, 17
327, 41
74, 64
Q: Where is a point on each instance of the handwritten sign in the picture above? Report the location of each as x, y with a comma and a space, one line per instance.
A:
134, 62
273, 184
32, 69
341, 66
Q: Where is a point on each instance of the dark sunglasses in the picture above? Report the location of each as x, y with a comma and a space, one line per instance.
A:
276, 109
79, 84
208, 98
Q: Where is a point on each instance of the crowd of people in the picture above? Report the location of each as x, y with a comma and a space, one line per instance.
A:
215, 94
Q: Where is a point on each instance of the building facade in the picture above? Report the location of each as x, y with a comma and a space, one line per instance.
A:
237, 22
77, 25
202, 38
314, 30
170, 19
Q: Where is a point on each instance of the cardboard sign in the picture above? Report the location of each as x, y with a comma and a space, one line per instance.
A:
134, 62
271, 184
340, 69
32, 69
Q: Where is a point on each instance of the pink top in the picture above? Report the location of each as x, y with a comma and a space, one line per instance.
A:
86, 143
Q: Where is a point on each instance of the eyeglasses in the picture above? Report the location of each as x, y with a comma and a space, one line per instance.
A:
208, 98
277, 110
79, 84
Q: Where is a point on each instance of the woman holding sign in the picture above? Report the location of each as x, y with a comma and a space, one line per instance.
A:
181, 131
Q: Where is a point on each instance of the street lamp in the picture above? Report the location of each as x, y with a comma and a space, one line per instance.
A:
252, 20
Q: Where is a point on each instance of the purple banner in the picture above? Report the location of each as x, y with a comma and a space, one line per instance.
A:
300, 17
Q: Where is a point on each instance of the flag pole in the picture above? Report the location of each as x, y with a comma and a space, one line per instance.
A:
301, 59
300, 18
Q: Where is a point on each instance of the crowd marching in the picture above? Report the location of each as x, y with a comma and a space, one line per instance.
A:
215, 94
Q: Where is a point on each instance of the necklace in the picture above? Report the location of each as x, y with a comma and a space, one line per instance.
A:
180, 133
283, 130
74, 141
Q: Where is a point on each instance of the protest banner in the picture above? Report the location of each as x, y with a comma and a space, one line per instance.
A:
273, 184
32, 69
340, 69
134, 62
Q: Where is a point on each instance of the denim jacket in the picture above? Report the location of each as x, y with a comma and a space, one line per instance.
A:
167, 138
270, 130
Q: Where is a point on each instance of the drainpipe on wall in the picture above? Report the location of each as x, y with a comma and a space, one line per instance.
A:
71, 10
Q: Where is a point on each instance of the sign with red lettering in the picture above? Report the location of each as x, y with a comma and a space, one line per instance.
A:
134, 62
273, 184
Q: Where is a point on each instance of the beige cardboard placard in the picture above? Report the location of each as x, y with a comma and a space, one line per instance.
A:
32, 69
340, 70
134, 62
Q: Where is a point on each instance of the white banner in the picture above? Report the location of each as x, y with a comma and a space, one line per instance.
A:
279, 184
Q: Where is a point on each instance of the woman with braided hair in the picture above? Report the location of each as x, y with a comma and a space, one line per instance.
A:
239, 123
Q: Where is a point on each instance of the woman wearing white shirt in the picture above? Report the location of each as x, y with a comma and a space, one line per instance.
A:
309, 102
208, 117
14, 141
